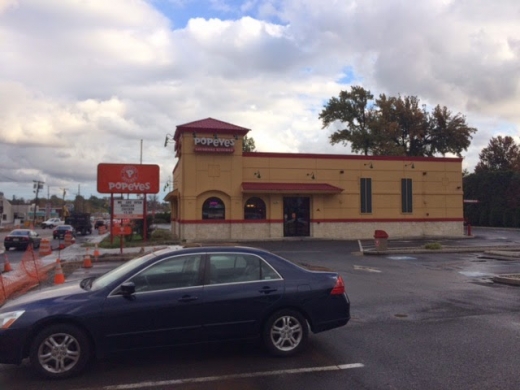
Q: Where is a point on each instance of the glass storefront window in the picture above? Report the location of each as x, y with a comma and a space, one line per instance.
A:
254, 209
213, 208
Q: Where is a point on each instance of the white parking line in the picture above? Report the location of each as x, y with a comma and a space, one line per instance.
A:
363, 268
225, 377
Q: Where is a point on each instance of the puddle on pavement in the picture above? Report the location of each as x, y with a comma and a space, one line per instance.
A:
475, 274
401, 258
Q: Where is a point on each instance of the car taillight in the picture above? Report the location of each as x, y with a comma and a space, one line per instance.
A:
339, 288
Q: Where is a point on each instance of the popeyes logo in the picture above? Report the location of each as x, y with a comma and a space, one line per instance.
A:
128, 179
207, 144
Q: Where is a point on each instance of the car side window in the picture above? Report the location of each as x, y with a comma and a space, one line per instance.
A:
238, 268
176, 272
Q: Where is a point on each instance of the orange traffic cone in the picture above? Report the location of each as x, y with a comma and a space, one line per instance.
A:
59, 278
96, 253
7, 265
87, 262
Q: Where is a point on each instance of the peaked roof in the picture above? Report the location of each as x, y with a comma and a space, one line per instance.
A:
210, 125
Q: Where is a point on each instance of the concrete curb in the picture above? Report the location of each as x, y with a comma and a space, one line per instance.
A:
474, 249
512, 279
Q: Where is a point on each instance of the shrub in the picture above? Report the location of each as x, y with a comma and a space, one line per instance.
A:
433, 246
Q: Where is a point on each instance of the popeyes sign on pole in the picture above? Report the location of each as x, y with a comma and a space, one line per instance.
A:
128, 178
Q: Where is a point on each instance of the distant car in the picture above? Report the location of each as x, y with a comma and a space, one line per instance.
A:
61, 230
50, 223
173, 296
21, 239
99, 223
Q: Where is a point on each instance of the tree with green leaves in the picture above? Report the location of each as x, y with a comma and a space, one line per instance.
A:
501, 154
394, 125
248, 144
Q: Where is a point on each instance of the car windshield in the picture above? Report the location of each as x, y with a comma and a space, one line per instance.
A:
19, 233
123, 269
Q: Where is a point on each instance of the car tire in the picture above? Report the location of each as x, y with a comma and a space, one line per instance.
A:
285, 333
60, 351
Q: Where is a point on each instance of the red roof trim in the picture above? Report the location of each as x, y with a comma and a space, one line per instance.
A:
290, 187
350, 157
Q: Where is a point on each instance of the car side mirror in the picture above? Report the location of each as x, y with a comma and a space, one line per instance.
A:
127, 288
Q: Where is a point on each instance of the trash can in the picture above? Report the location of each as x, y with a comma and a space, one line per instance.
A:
381, 240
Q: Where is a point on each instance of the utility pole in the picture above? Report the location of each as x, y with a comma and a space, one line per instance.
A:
37, 186
64, 211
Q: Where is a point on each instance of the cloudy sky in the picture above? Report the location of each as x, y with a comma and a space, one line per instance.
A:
84, 81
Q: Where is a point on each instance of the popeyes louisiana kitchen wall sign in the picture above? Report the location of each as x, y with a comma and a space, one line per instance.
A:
128, 178
214, 145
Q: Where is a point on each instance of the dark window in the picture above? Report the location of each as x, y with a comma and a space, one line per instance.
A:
177, 272
213, 208
238, 268
366, 195
254, 209
406, 196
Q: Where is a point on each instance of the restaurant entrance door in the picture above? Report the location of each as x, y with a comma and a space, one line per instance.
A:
296, 216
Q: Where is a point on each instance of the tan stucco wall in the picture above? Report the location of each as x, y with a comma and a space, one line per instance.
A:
437, 194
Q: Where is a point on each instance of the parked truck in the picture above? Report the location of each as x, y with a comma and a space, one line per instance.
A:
51, 223
80, 222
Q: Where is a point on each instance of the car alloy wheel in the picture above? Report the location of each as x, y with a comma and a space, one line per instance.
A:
285, 332
60, 351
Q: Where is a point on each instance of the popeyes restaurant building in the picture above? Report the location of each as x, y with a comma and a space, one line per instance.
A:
222, 193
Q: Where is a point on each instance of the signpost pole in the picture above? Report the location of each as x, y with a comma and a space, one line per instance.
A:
121, 237
145, 220
111, 218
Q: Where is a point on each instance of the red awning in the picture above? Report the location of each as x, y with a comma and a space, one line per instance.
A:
291, 188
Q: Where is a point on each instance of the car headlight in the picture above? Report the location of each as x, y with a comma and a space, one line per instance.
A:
8, 319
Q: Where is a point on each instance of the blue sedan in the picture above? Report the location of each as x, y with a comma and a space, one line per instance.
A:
169, 297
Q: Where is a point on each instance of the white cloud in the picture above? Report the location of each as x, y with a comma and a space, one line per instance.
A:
84, 82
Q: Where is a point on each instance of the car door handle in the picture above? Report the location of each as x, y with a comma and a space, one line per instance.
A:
267, 290
187, 298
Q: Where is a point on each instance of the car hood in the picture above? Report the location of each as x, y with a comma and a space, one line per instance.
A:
65, 291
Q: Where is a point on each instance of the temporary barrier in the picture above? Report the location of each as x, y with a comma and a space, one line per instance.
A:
32, 265
87, 262
45, 247
7, 265
59, 278
68, 239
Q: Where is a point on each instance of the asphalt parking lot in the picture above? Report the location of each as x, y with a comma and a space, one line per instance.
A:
419, 321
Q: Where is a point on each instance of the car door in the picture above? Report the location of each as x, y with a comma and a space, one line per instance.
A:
164, 310
240, 289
